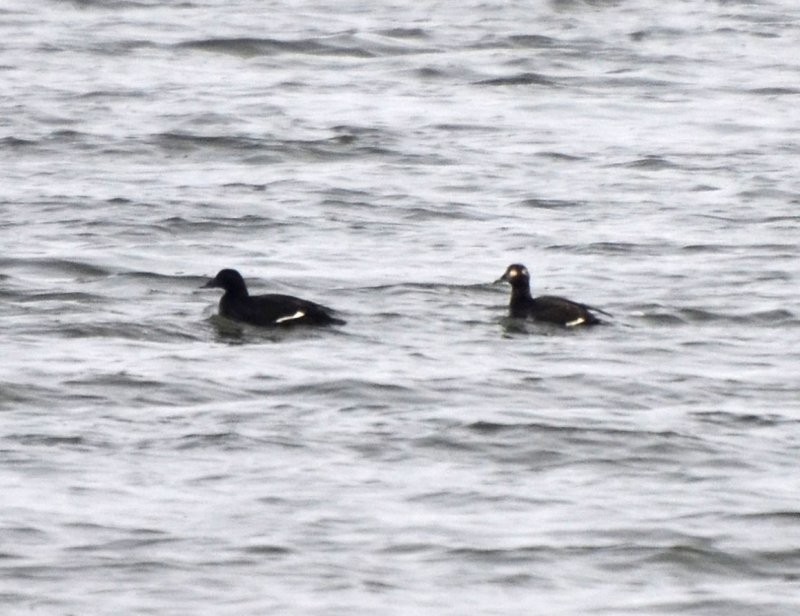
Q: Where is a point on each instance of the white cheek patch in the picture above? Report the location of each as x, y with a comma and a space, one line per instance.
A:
577, 321
297, 315
513, 273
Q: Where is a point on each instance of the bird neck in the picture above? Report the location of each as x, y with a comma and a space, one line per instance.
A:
520, 292
236, 291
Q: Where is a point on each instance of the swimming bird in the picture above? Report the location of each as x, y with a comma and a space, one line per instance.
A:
548, 308
266, 310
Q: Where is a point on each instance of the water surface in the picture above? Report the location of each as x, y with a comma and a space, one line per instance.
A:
391, 160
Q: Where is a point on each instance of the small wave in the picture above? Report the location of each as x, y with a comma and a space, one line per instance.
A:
450, 126
444, 442
410, 547
451, 213
179, 224
115, 380
156, 276
60, 266
363, 387
552, 204
61, 296
650, 163
401, 287
116, 4
404, 33
700, 315
228, 440
179, 141
68, 137
259, 150
121, 47
429, 72
268, 550
791, 517
522, 79
246, 185
660, 318
775, 91
765, 420
699, 558
497, 555
658, 315
769, 317
532, 41
16, 143
49, 440
704, 248
12, 395
124, 331
765, 317
661, 32
249, 47
560, 156
759, 195
638, 83
127, 543
606, 248
493, 427
120, 93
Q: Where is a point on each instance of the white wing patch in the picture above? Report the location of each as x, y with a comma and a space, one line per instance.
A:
577, 321
297, 315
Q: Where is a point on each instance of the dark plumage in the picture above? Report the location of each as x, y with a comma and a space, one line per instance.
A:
548, 308
266, 310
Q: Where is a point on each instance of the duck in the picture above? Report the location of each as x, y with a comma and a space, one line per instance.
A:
547, 308
271, 310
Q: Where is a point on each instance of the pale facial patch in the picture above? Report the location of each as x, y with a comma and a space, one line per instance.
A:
577, 321
297, 315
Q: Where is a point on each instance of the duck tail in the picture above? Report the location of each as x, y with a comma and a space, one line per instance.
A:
600, 310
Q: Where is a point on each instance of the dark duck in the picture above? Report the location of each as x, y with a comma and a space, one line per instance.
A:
272, 310
548, 308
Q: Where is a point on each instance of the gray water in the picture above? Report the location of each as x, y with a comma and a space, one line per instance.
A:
390, 159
